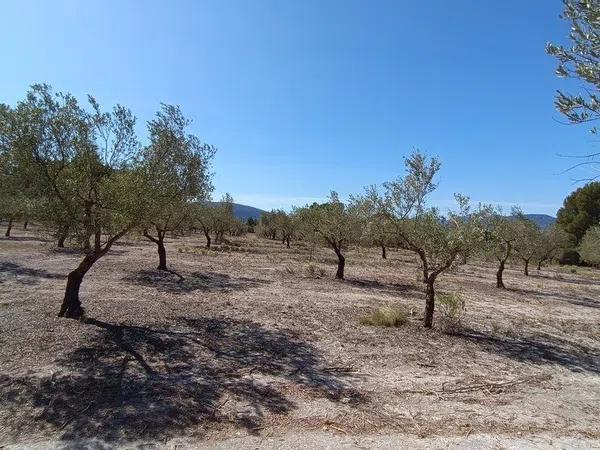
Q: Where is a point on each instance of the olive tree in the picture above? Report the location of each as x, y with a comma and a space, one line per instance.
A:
552, 242
287, 225
86, 162
177, 169
527, 243
437, 240
377, 226
334, 224
581, 61
589, 249
499, 243
267, 225
223, 219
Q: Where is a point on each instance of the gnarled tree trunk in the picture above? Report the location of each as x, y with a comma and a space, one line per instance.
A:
160, 243
208, 239
341, 264
287, 242
25, 224
429, 302
499, 280
9, 227
526, 267
63, 233
71, 306
383, 252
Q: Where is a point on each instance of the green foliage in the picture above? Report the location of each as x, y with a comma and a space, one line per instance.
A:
332, 223
451, 308
177, 170
552, 243
569, 257
386, 317
437, 240
580, 210
581, 60
267, 225
589, 248
82, 166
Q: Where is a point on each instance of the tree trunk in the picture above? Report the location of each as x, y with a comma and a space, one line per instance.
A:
162, 252
499, 281
287, 242
283, 240
383, 252
429, 302
208, 239
25, 224
10, 224
526, 268
539, 266
62, 237
341, 264
71, 307
86, 244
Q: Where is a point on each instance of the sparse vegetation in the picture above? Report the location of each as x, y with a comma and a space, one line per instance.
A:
386, 317
451, 307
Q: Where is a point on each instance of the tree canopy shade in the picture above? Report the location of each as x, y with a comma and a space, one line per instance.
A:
580, 61
177, 171
580, 210
84, 166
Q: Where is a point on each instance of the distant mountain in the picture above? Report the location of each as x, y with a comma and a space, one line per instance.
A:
244, 211
542, 220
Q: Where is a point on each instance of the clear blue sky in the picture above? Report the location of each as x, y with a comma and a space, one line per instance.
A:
302, 97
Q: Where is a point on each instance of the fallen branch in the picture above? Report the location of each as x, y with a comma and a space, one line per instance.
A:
474, 387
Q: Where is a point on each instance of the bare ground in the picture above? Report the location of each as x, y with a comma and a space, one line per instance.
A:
250, 350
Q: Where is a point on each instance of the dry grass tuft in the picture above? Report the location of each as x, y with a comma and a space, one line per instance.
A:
386, 317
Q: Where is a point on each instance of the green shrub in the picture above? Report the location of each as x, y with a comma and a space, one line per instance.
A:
386, 317
569, 257
451, 309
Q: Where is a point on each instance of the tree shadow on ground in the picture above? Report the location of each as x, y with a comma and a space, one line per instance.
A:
577, 300
23, 238
26, 275
560, 279
392, 288
196, 281
136, 382
540, 350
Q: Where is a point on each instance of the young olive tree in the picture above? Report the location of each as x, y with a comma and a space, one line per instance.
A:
552, 242
527, 241
267, 225
203, 218
177, 170
377, 226
287, 225
499, 240
332, 223
86, 164
223, 218
435, 239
